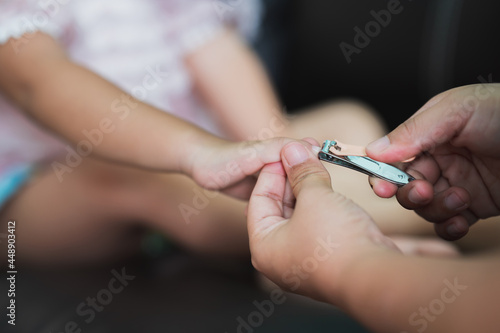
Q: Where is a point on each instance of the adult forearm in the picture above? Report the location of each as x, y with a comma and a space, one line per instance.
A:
389, 292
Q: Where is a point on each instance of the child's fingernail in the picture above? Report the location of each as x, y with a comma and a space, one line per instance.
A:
453, 202
295, 154
379, 145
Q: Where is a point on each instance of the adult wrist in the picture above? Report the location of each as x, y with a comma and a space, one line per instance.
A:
345, 285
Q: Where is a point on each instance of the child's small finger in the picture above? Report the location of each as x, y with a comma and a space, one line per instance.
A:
242, 189
311, 141
288, 201
382, 188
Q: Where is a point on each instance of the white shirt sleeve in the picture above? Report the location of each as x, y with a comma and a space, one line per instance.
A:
205, 18
19, 17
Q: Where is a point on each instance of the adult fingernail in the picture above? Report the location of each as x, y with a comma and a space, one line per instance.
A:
295, 154
455, 230
379, 145
415, 197
453, 202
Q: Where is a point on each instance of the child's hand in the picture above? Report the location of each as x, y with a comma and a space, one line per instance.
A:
306, 244
232, 166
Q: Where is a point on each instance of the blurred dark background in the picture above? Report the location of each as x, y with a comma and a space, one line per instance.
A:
429, 47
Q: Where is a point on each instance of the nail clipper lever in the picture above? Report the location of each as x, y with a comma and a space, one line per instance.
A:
362, 163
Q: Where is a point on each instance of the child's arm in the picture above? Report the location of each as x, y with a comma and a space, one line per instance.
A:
71, 100
235, 86
327, 247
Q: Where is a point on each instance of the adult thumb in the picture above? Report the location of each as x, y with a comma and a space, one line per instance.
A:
425, 130
303, 168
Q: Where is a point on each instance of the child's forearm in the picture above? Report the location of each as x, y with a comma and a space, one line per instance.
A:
234, 84
74, 100
81, 106
389, 292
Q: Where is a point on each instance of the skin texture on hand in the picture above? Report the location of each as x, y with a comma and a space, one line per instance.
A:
456, 138
276, 222
313, 241
232, 166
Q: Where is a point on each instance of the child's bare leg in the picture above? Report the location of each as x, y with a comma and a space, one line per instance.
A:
349, 121
97, 211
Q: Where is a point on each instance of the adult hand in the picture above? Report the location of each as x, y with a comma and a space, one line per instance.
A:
456, 138
303, 235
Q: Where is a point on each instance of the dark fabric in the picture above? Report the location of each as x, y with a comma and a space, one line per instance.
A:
175, 293
429, 47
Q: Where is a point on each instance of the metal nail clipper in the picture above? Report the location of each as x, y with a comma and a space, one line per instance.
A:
354, 157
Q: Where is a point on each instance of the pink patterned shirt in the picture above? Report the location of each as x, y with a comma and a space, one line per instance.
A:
124, 41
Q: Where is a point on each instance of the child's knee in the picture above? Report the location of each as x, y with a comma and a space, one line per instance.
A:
349, 121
